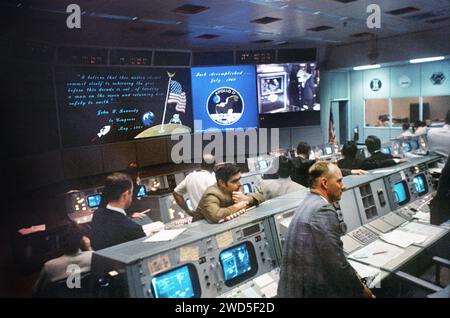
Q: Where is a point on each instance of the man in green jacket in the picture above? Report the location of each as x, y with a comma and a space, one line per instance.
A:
224, 197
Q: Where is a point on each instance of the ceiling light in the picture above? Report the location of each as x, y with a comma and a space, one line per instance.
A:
427, 59
366, 67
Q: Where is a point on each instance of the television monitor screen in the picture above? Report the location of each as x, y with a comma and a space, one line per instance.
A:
189, 204
415, 144
100, 105
247, 188
238, 263
328, 150
420, 184
401, 194
142, 191
407, 146
288, 87
180, 282
94, 200
387, 150
224, 97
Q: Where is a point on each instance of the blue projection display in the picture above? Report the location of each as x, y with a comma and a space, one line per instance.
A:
420, 184
235, 262
142, 191
94, 200
173, 284
407, 147
224, 97
387, 150
400, 195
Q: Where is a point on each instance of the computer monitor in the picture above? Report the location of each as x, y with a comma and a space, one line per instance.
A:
189, 204
387, 150
247, 188
415, 144
328, 150
93, 201
401, 194
142, 191
407, 146
420, 184
180, 282
238, 263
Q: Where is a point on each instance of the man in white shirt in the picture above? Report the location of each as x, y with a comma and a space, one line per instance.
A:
195, 184
58, 269
439, 138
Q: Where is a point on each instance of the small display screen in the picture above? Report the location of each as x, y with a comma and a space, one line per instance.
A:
262, 164
415, 144
94, 200
387, 150
328, 151
235, 262
247, 188
400, 193
407, 147
176, 283
420, 184
142, 191
189, 204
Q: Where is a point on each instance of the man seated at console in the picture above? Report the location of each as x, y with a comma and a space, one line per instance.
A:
283, 184
378, 159
77, 256
224, 197
349, 160
110, 224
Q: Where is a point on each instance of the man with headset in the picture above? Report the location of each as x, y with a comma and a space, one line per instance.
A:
314, 264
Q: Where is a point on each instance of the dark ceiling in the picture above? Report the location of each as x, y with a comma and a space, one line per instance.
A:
217, 24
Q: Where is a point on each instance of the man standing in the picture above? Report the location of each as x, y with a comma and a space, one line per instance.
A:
439, 138
224, 198
314, 264
110, 224
195, 184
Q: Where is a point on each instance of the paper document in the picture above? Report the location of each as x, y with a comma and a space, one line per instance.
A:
152, 227
403, 238
364, 270
377, 253
422, 217
165, 235
430, 231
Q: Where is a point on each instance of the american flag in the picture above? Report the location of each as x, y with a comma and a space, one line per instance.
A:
177, 96
331, 129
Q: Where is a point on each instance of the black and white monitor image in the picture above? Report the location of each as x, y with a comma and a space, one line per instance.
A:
238, 263
328, 150
272, 92
420, 184
246, 188
180, 282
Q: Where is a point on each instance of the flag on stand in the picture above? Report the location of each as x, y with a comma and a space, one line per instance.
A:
177, 96
331, 129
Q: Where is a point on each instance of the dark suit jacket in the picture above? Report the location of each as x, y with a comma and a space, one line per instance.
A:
300, 169
349, 163
111, 228
440, 206
313, 263
378, 160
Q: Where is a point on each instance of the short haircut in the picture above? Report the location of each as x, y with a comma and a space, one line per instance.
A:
224, 171
405, 126
115, 184
303, 148
420, 123
284, 166
319, 170
71, 240
208, 162
447, 118
349, 149
373, 143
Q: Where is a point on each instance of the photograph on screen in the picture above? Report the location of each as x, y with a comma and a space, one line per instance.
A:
94, 200
99, 105
288, 87
420, 184
224, 97
238, 263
